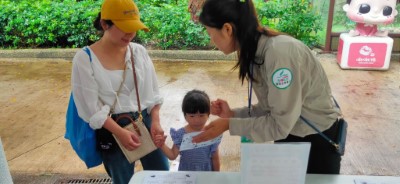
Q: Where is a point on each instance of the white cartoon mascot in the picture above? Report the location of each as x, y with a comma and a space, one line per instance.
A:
368, 14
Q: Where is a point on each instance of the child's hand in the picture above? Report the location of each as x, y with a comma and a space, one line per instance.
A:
159, 140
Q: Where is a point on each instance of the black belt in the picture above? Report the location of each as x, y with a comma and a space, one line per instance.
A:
133, 115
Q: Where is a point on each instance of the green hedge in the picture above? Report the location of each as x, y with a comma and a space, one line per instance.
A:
69, 23
170, 26
47, 23
297, 18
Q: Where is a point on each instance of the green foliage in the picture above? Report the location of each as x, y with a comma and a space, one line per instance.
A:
171, 27
47, 23
69, 23
340, 18
397, 18
301, 22
270, 12
297, 18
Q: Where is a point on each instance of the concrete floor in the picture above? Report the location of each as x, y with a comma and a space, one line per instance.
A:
34, 95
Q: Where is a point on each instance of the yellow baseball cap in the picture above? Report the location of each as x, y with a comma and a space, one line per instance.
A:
124, 14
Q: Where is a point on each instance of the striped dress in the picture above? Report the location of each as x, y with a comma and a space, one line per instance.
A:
198, 159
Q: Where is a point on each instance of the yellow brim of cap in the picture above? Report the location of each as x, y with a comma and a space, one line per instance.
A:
130, 26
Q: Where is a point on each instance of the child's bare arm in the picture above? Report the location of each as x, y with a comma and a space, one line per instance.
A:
171, 153
215, 161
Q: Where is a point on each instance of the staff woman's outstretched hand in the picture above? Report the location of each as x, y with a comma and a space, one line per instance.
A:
212, 130
221, 108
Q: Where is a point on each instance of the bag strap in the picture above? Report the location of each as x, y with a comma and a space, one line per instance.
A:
86, 49
136, 85
119, 90
319, 131
250, 89
135, 127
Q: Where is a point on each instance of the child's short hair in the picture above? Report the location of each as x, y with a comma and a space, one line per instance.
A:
196, 101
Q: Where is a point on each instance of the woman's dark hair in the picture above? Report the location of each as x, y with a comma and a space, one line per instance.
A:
196, 101
242, 15
97, 23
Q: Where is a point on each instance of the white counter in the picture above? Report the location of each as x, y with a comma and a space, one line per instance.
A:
234, 178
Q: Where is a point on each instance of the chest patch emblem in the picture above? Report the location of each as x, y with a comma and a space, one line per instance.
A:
282, 78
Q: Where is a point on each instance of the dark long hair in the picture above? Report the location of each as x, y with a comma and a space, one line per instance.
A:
246, 28
97, 23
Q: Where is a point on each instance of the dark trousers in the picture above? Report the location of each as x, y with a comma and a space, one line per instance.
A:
323, 158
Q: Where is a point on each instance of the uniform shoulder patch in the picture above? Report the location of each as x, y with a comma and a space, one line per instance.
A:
282, 78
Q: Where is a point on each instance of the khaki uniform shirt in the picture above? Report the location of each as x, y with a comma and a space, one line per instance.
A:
290, 82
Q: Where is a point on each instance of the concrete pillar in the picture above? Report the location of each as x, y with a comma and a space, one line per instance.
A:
5, 176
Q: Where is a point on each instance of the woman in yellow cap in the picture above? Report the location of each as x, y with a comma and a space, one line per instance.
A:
103, 84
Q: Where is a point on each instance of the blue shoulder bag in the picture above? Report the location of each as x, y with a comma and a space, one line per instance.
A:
80, 135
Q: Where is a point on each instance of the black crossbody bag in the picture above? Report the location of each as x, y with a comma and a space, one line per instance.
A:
340, 139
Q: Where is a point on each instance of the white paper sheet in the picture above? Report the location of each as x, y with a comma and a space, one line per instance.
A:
170, 178
187, 143
371, 181
279, 163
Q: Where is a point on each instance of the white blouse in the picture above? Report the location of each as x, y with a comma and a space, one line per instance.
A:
91, 82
